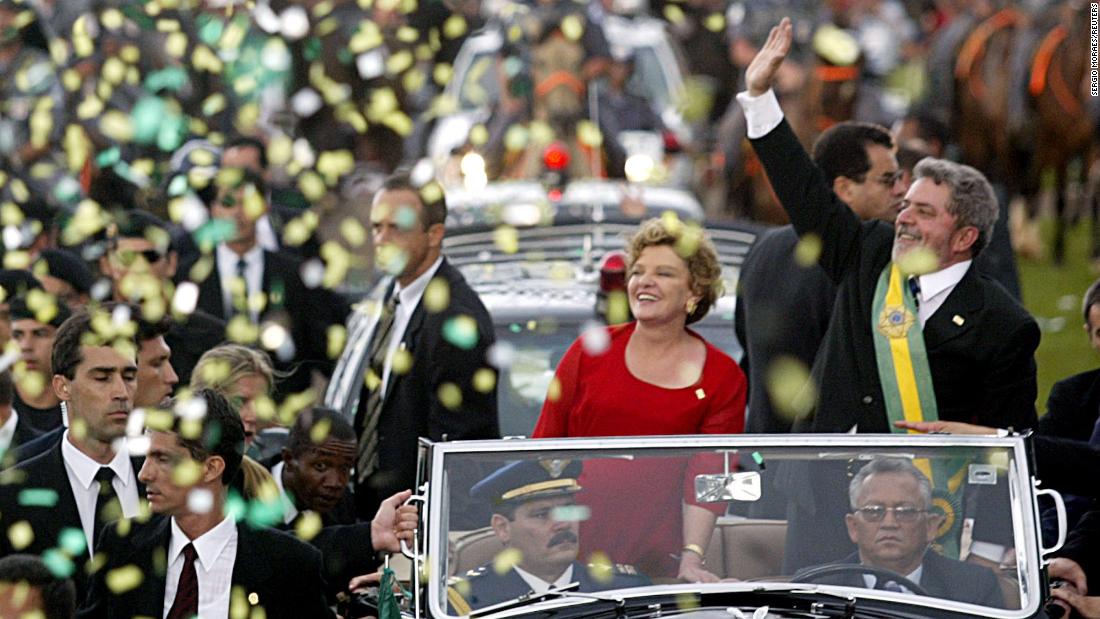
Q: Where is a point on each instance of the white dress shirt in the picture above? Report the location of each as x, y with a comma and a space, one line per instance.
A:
539, 585
408, 298
290, 512
7, 431
81, 471
763, 114
914, 576
227, 272
217, 553
935, 288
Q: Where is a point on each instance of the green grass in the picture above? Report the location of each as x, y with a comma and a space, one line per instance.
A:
1053, 295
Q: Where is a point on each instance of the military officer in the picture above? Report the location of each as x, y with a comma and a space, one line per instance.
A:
535, 519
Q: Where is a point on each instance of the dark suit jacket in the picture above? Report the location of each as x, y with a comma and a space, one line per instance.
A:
23, 435
783, 309
980, 342
1073, 407
190, 338
306, 313
46, 472
486, 587
39, 444
411, 407
941, 577
284, 573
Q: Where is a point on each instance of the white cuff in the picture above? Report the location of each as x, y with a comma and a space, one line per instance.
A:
986, 550
762, 113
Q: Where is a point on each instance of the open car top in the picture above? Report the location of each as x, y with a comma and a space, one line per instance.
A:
607, 514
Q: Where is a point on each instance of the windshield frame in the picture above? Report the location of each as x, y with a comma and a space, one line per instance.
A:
1032, 595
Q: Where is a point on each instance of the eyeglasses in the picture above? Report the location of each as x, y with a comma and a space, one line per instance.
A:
888, 179
127, 257
902, 513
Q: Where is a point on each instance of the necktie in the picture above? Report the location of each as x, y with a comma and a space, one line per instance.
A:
186, 604
242, 270
103, 514
914, 287
891, 585
367, 460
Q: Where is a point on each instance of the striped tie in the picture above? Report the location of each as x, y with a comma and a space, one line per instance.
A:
367, 461
186, 604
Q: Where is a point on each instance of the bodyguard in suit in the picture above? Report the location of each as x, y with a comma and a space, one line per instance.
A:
1074, 403
916, 332
523, 497
417, 368
776, 291
14, 431
312, 477
892, 527
83, 480
213, 563
249, 285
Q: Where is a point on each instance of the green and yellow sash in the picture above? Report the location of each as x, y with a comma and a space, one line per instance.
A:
907, 392
899, 350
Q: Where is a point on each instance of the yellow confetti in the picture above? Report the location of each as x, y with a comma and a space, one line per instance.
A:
398, 62
808, 250
335, 164
402, 361
715, 22
123, 579
485, 380
308, 526
506, 559
442, 73
21, 535
572, 27
175, 44
450, 396
918, 261
553, 392
506, 238
600, 567
241, 330
336, 337
117, 126
32, 383
791, 388
516, 138
437, 296
674, 14
479, 135
589, 134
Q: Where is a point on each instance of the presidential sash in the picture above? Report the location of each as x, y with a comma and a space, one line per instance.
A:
907, 392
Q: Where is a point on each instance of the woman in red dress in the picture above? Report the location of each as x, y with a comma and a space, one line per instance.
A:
655, 377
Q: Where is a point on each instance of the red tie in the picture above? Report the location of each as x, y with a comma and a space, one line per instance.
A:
186, 604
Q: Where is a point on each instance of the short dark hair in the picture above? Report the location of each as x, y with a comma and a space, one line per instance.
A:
151, 329
247, 141
222, 433
430, 194
1092, 297
66, 353
842, 149
300, 437
233, 178
7, 388
58, 594
139, 224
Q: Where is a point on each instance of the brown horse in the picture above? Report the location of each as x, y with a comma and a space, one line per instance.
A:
1058, 129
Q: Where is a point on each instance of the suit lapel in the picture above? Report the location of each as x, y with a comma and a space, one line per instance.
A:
210, 297
55, 477
147, 544
957, 315
252, 569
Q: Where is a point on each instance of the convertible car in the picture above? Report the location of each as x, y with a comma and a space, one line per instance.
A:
788, 526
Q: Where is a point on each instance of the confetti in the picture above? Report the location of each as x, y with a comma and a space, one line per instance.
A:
123, 579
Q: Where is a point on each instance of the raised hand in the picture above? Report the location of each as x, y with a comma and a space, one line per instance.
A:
762, 69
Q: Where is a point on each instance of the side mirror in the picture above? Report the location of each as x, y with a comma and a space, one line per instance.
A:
743, 486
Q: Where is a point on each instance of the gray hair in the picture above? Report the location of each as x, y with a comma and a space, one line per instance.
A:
972, 200
898, 466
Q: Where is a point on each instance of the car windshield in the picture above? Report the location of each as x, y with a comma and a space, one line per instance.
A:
938, 522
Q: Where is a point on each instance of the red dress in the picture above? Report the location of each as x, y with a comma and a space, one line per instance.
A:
636, 505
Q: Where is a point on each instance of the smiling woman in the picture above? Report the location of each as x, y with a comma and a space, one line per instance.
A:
687, 385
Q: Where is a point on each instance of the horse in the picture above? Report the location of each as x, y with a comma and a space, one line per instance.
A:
1057, 129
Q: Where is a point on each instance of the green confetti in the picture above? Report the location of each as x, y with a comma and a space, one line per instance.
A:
72, 541
461, 331
58, 562
38, 497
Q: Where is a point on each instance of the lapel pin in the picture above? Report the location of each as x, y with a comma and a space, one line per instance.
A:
253, 598
958, 320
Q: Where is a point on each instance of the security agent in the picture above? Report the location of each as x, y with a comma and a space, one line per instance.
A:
525, 498
893, 527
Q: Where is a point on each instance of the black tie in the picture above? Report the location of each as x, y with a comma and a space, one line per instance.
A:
186, 604
367, 461
106, 495
242, 270
914, 287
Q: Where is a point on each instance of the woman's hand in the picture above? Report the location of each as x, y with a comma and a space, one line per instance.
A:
693, 570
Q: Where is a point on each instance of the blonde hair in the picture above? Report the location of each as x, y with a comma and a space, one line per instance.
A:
222, 367
693, 246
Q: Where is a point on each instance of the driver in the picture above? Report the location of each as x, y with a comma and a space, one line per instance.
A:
534, 517
893, 527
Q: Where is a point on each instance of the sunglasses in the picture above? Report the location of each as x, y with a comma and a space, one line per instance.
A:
127, 257
877, 513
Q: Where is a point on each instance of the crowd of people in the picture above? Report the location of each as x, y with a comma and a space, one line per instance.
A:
170, 323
